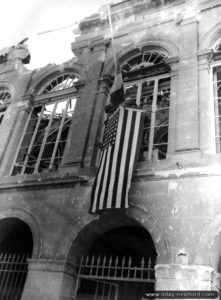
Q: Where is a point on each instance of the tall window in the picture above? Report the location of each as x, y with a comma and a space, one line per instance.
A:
5, 99
147, 84
215, 59
217, 105
46, 133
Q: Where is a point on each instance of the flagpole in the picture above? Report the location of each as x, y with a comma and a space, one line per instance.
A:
112, 35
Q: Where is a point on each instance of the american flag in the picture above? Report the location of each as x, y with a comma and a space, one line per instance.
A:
121, 145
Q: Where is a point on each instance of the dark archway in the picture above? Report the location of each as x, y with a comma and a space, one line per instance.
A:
15, 236
124, 248
126, 241
16, 245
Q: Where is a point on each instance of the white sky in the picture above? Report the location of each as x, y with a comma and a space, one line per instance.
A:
27, 18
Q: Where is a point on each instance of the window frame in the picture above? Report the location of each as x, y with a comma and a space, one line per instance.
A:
156, 80
54, 97
214, 97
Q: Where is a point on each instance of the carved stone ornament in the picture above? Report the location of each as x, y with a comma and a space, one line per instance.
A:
215, 55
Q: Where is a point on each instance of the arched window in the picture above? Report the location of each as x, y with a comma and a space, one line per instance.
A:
61, 82
5, 99
46, 134
143, 60
147, 85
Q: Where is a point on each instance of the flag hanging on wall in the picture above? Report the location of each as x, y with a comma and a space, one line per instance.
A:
121, 145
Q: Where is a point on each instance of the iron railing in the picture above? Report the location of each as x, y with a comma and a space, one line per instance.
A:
13, 272
124, 269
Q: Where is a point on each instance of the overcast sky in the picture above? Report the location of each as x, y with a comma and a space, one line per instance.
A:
28, 18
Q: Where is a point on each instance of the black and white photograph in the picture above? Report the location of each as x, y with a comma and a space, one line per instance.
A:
110, 149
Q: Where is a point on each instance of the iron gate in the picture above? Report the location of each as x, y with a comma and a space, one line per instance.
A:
105, 278
96, 289
13, 271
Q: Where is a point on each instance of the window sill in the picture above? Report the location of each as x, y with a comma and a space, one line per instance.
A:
181, 166
49, 178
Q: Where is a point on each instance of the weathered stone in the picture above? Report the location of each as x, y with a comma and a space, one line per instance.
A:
174, 213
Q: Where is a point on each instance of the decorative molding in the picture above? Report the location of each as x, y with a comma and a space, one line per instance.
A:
97, 224
9, 211
208, 40
214, 56
97, 43
151, 43
52, 70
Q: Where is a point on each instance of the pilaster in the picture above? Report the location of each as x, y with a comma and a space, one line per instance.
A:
187, 133
88, 107
174, 64
48, 279
206, 106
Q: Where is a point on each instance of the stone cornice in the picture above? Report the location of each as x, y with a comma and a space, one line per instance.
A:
97, 43
44, 179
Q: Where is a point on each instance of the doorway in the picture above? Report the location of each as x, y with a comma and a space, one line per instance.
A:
16, 245
118, 266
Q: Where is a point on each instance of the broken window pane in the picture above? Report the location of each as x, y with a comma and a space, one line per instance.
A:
148, 86
219, 90
59, 83
46, 134
131, 94
5, 98
217, 107
142, 60
44, 141
153, 96
162, 118
147, 95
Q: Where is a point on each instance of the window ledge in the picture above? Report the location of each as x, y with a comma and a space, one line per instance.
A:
49, 178
175, 166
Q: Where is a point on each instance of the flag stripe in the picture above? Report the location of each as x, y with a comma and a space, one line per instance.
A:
93, 194
120, 191
119, 158
102, 178
137, 135
97, 182
134, 151
103, 162
124, 202
104, 181
109, 175
113, 169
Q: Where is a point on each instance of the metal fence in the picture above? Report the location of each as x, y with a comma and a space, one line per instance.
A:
13, 272
117, 269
